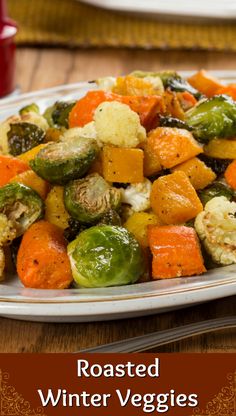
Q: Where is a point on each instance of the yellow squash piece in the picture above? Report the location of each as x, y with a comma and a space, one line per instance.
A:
131, 85
172, 146
138, 224
30, 155
55, 211
198, 173
29, 178
122, 164
174, 200
221, 148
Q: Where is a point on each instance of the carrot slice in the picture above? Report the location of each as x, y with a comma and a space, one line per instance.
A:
10, 167
230, 175
176, 252
42, 260
228, 90
146, 106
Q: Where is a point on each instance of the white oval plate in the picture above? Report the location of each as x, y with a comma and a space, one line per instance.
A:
85, 305
200, 9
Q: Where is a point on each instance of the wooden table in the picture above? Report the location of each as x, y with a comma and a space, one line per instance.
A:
41, 68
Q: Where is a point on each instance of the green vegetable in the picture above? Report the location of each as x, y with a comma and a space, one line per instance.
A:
104, 256
166, 121
171, 80
58, 114
30, 108
214, 117
111, 217
215, 189
23, 137
75, 227
88, 199
21, 204
218, 166
60, 162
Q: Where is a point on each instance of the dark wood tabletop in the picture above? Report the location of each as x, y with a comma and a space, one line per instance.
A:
42, 68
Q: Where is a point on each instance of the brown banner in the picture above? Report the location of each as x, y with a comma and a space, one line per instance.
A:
110, 385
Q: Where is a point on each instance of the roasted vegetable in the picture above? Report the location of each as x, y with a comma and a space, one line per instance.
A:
167, 121
205, 83
198, 173
221, 149
74, 228
122, 164
42, 261
30, 108
176, 252
21, 205
58, 114
55, 211
215, 117
138, 224
23, 137
29, 178
111, 217
88, 199
216, 189
118, 125
230, 175
174, 200
10, 167
216, 227
30, 155
172, 146
2, 264
137, 195
7, 230
217, 165
60, 162
105, 255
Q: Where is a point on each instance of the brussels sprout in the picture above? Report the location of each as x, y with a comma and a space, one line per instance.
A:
88, 199
58, 114
23, 137
21, 204
30, 108
166, 121
75, 228
105, 255
61, 162
171, 80
217, 165
215, 189
110, 218
214, 117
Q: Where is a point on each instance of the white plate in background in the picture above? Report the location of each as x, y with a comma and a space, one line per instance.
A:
86, 305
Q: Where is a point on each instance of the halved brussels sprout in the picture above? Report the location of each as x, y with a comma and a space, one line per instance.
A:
61, 162
214, 117
23, 137
104, 256
88, 199
21, 205
30, 108
214, 190
58, 114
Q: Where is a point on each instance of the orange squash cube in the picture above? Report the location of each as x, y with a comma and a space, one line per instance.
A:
198, 173
204, 82
151, 163
176, 252
173, 146
123, 165
174, 199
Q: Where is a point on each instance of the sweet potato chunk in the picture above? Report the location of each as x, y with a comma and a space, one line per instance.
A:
172, 146
198, 173
174, 200
123, 165
176, 252
205, 83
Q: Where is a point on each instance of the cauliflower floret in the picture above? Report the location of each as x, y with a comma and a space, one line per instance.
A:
216, 227
7, 230
137, 195
88, 131
106, 83
2, 264
117, 124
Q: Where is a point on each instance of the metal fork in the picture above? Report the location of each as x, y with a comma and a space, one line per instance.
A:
158, 338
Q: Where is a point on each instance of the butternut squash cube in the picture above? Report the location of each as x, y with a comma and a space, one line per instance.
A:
174, 199
221, 148
123, 165
173, 146
151, 163
204, 82
138, 224
198, 173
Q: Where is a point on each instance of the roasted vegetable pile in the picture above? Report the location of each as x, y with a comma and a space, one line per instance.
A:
134, 181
